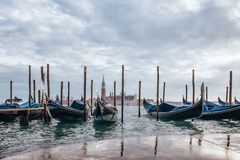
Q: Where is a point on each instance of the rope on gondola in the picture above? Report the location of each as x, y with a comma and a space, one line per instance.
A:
44, 101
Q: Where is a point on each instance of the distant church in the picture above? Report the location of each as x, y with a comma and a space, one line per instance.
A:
103, 93
128, 99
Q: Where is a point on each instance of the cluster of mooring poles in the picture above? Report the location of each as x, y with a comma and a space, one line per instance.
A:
26, 114
42, 96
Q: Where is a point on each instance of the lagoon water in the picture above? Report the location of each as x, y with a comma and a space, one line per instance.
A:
15, 140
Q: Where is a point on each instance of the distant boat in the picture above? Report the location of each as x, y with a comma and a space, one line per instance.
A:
74, 111
221, 102
172, 112
186, 102
236, 101
105, 112
15, 100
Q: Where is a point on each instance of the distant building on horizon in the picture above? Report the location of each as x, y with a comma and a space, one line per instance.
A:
129, 100
103, 89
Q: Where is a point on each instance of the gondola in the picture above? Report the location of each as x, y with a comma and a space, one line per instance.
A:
186, 102
222, 110
74, 111
172, 112
11, 115
214, 111
236, 101
221, 102
15, 100
105, 112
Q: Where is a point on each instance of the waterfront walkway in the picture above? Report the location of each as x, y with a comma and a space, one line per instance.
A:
210, 147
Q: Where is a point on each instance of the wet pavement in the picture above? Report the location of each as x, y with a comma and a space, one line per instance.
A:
197, 147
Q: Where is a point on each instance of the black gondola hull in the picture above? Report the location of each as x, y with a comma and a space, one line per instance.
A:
190, 112
231, 113
63, 112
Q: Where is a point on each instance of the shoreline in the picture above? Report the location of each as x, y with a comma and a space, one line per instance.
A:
212, 147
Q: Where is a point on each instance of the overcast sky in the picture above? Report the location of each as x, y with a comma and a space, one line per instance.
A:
176, 35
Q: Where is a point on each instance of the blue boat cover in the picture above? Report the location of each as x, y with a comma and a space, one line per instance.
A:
163, 107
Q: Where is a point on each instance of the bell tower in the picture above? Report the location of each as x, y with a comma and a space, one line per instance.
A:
103, 88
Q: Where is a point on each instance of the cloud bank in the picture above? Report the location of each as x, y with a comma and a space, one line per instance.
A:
178, 36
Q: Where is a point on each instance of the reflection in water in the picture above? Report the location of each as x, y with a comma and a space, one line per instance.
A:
156, 144
227, 148
233, 124
186, 125
63, 128
102, 128
228, 141
84, 150
122, 148
190, 146
190, 140
200, 140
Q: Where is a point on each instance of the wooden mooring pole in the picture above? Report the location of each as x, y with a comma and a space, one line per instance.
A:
29, 86
122, 96
91, 100
29, 92
206, 93
193, 87
226, 94
34, 90
114, 93
39, 97
230, 89
68, 98
11, 97
186, 92
139, 98
48, 81
157, 100
61, 93
164, 86
85, 94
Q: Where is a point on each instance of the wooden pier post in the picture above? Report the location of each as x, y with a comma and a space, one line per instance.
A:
84, 94
68, 98
11, 97
122, 96
203, 93
91, 100
193, 87
29, 86
226, 94
230, 89
164, 84
34, 90
139, 98
114, 94
186, 92
157, 91
206, 93
61, 93
39, 97
29, 93
48, 81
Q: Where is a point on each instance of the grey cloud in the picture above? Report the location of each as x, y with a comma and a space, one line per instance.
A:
176, 35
